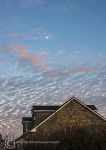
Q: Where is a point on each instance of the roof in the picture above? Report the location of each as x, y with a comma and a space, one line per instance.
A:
47, 107
54, 107
92, 107
27, 119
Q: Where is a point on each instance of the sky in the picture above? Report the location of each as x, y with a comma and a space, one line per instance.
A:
50, 50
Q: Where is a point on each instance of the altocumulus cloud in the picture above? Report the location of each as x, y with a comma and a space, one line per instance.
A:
53, 86
36, 59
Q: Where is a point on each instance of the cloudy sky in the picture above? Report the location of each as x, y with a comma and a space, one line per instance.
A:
50, 50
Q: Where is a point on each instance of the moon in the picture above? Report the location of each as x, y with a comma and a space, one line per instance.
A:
47, 37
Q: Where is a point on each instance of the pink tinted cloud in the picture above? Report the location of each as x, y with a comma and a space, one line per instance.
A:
83, 69
56, 73
36, 59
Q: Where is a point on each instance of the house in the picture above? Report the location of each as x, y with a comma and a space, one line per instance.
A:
47, 120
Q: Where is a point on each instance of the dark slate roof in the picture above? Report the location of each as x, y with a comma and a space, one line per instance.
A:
45, 107
92, 107
27, 119
56, 107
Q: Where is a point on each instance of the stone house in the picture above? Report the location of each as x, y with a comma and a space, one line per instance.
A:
47, 120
